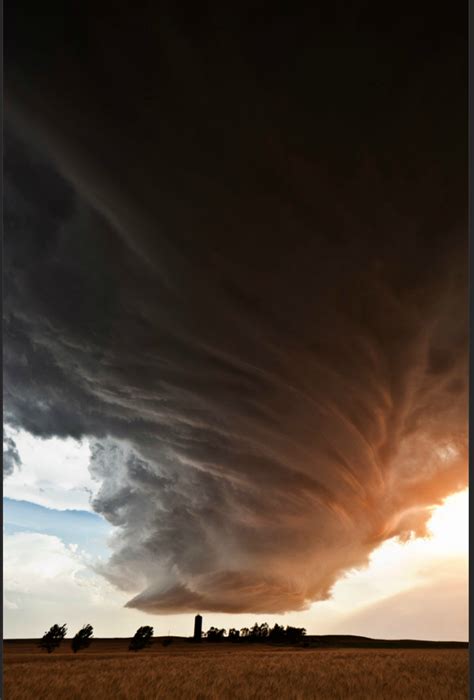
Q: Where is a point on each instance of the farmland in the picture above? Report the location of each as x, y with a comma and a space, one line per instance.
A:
224, 671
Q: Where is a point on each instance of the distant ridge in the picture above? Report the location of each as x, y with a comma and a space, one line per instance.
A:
351, 640
337, 641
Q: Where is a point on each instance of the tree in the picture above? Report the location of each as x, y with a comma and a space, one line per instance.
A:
141, 639
277, 634
259, 633
294, 634
82, 639
215, 635
53, 638
234, 635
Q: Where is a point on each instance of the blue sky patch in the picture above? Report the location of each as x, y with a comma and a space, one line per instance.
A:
88, 530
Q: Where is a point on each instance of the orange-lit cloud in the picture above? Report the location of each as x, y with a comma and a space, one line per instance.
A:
417, 588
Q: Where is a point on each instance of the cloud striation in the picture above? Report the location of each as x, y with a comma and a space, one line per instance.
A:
11, 456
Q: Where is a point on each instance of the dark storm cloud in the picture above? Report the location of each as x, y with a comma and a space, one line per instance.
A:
11, 456
236, 261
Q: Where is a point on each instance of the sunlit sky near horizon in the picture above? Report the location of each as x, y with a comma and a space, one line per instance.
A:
52, 541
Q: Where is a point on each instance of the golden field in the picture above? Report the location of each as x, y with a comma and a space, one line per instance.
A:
227, 671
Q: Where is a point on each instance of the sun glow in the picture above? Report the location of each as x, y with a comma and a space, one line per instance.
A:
398, 566
447, 539
449, 525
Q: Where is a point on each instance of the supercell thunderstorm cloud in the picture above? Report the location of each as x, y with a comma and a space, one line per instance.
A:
246, 287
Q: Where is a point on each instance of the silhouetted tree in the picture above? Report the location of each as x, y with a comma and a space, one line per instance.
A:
294, 634
53, 638
259, 633
215, 635
141, 639
277, 634
82, 639
244, 633
234, 635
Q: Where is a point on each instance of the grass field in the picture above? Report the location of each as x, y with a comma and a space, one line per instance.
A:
226, 671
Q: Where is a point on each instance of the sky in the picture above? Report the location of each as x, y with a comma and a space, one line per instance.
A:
235, 320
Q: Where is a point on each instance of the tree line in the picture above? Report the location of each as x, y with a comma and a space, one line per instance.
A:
258, 633
142, 638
